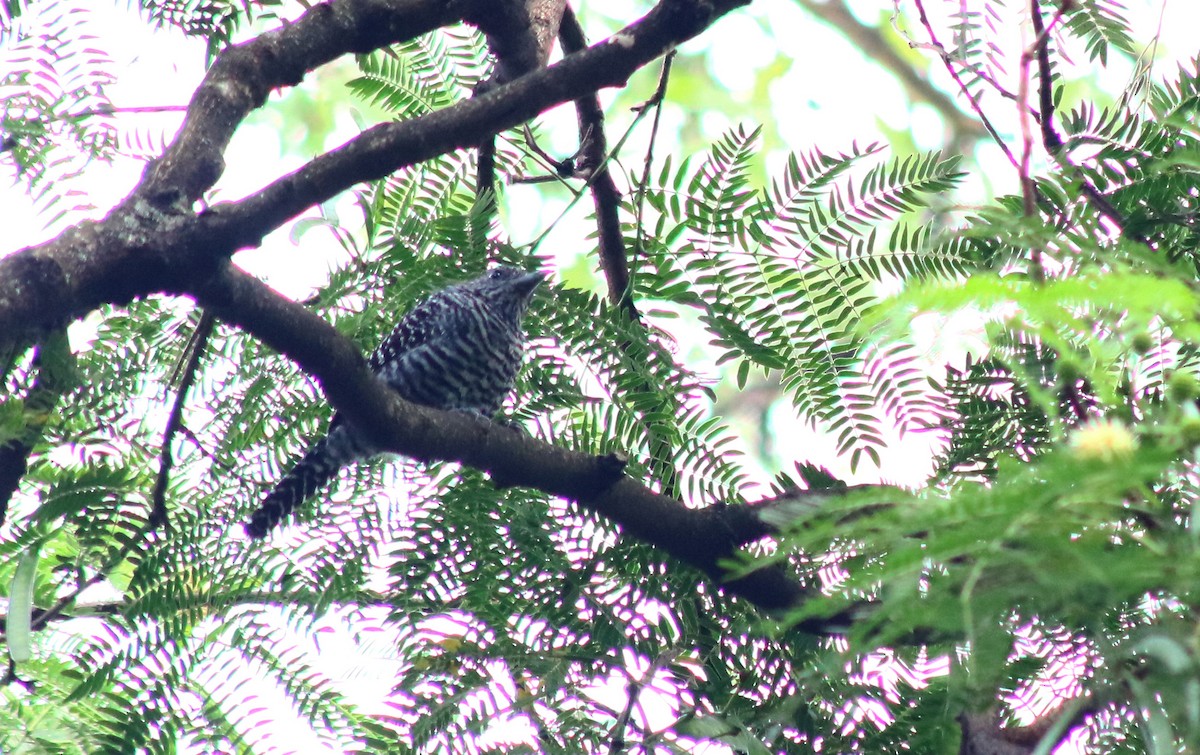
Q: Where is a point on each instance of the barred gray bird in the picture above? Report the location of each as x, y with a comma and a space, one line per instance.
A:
459, 349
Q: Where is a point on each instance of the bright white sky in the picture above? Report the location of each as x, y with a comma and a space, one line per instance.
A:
830, 96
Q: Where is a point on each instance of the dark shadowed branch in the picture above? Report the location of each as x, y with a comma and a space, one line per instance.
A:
245, 74
1051, 140
593, 163
194, 353
55, 375
702, 538
153, 241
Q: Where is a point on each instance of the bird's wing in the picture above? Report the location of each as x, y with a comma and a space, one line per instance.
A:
422, 323
415, 329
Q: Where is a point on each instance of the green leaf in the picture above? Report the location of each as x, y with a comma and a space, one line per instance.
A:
18, 628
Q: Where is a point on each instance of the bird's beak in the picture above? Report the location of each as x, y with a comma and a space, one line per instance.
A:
526, 283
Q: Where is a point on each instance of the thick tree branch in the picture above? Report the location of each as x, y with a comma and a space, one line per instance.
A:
153, 243
388, 147
545, 16
141, 248
510, 37
701, 538
243, 75
156, 245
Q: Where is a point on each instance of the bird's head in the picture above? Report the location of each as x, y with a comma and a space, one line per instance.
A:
507, 288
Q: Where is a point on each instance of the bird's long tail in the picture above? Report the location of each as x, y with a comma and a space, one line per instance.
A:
319, 465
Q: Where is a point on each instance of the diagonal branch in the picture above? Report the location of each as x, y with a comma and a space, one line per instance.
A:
974, 100
142, 248
194, 353
704, 538
245, 74
1051, 140
152, 242
385, 148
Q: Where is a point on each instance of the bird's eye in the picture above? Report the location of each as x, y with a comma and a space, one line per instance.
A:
496, 274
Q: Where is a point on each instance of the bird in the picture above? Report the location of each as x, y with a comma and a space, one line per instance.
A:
460, 349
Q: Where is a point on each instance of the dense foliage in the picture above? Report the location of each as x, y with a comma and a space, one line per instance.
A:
1045, 573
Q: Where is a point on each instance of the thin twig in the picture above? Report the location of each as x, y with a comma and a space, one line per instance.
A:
937, 48
656, 102
194, 351
221, 599
559, 170
616, 742
633, 689
111, 110
962, 85
223, 465
53, 612
589, 177
1028, 187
